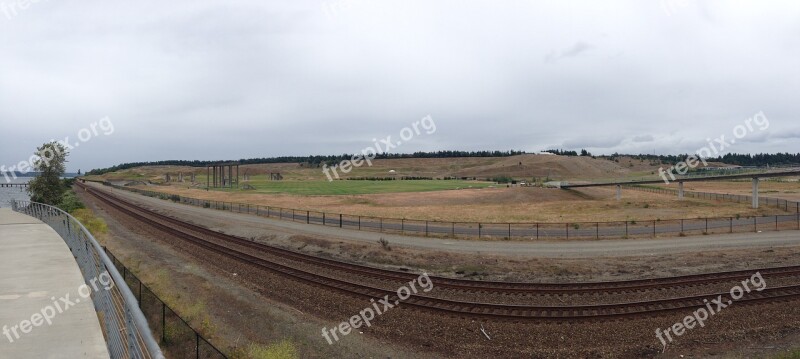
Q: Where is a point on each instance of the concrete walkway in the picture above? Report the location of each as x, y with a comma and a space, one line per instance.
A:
36, 270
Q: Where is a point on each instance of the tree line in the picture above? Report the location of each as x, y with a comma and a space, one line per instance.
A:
746, 159
310, 161
738, 159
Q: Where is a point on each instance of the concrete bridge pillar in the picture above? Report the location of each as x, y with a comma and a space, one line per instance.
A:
755, 192
619, 192
680, 190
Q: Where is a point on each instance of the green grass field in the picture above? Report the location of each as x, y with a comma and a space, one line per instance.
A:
354, 187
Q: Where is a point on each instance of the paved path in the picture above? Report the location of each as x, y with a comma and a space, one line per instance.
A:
542, 248
36, 266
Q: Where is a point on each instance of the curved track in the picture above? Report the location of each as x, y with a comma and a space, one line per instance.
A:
183, 230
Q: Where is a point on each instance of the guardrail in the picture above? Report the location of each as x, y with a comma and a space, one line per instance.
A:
125, 327
525, 231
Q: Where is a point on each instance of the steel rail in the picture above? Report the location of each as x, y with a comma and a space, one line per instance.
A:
463, 308
464, 284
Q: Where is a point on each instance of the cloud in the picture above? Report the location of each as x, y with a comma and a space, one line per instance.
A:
593, 142
572, 51
788, 134
643, 138
227, 80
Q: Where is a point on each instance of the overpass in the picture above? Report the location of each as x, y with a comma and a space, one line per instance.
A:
754, 176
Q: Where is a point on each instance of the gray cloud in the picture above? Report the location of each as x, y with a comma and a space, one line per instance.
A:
592, 142
572, 51
220, 80
576, 49
790, 134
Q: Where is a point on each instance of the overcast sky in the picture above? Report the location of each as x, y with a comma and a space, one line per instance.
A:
240, 79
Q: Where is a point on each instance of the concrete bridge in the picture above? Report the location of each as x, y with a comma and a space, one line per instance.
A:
753, 176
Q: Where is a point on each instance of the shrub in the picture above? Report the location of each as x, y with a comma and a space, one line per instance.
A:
502, 179
94, 224
70, 202
385, 244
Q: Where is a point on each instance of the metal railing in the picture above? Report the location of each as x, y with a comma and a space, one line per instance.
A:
125, 327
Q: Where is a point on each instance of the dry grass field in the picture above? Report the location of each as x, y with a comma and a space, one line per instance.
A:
306, 189
516, 204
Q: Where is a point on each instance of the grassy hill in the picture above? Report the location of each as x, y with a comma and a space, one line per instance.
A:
523, 167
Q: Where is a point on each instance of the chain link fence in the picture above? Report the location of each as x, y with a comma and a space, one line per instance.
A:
177, 337
520, 231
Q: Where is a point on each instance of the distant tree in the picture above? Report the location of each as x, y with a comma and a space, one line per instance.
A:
563, 152
584, 152
502, 179
51, 164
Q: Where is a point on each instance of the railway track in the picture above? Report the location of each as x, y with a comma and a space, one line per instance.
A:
494, 286
465, 308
